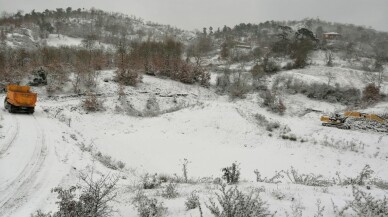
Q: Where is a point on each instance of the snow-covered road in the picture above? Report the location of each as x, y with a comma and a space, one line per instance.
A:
34, 158
21, 160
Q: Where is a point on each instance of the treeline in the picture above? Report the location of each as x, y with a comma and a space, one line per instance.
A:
162, 58
56, 63
107, 27
354, 42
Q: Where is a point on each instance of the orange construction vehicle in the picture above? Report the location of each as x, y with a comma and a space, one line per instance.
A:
20, 99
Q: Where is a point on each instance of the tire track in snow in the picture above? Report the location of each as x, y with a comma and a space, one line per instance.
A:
14, 193
4, 148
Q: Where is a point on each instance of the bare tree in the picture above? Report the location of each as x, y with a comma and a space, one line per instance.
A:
330, 77
329, 58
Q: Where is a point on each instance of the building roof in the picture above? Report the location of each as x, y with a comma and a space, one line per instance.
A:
331, 33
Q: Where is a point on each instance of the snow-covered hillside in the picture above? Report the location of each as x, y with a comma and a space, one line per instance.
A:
49, 149
165, 141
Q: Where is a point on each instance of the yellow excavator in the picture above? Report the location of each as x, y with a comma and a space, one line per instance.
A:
339, 121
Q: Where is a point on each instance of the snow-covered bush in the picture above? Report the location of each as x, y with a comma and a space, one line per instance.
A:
361, 179
269, 126
107, 161
231, 174
364, 204
275, 179
192, 201
295, 177
152, 107
319, 91
170, 191
234, 203
92, 103
239, 87
150, 181
273, 102
223, 82
91, 199
148, 207
270, 65
371, 94
127, 77
306, 179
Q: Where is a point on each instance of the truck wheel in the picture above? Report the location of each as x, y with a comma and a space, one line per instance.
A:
11, 108
6, 104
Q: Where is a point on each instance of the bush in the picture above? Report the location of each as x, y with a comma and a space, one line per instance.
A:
295, 177
270, 66
150, 181
234, 203
365, 204
92, 104
223, 83
231, 174
148, 207
152, 107
274, 179
127, 77
170, 191
371, 94
93, 200
306, 179
269, 126
364, 175
273, 102
257, 71
107, 160
192, 201
239, 87
346, 96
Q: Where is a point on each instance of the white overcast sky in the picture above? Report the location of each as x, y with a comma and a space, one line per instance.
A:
195, 14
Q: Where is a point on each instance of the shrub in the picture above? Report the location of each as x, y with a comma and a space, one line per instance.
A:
270, 65
371, 94
365, 204
92, 104
170, 191
295, 177
346, 96
239, 87
306, 179
269, 126
273, 102
234, 203
231, 174
192, 201
150, 181
152, 106
223, 83
257, 71
274, 179
93, 199
148, 207
127, 77
107, 161
364, 175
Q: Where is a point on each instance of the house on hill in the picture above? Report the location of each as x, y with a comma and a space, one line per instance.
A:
331, 35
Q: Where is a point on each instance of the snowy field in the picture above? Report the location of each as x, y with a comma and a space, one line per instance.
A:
46, 150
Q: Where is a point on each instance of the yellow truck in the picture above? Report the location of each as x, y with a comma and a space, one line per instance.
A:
20, 99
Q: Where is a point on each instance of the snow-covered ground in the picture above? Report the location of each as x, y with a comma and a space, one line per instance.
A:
57, 40
42, 151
